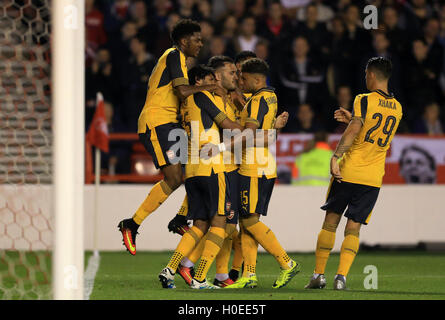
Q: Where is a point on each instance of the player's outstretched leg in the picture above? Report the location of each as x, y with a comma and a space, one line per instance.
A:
157, 195
267, 239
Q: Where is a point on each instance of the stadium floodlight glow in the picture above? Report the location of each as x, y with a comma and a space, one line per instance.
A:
68, 120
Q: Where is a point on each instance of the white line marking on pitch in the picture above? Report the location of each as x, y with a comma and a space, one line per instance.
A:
90, 274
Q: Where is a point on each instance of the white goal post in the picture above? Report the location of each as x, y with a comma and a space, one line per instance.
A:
68, 68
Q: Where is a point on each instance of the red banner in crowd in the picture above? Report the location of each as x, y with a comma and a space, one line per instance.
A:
411, 159
97, 134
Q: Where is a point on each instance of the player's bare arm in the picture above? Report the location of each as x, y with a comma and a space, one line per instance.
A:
185, 91
343, 146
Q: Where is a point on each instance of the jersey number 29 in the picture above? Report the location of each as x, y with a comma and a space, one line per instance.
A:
388, 127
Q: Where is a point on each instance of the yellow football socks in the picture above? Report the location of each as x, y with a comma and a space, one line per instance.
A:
348, 252
266, 238
184, 207
237, 252
325, 243
188, 242
197, 252
212, 246
223, 257
155, 198
249, 247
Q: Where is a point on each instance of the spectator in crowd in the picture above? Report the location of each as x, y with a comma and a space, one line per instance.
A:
312, 167
420, 80
344, 100
358, 38
431, 38
314, 31
147, 28
163, 41
380, 46
162, 9
303, 121
397, 37
339, 56
120, 45
325, 13
205, 10
134, 81
276, 29
117, 160
99, 77
415, 14
238, 8
247, 38
94, 30
430, 122
302, 78
207, 32
188, 10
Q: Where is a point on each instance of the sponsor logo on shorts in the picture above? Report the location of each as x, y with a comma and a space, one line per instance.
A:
231, 215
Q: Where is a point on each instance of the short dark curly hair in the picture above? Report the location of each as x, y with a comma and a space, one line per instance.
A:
255, 65
199, 72
184, 28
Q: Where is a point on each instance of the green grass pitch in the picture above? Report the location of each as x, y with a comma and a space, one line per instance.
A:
401, 275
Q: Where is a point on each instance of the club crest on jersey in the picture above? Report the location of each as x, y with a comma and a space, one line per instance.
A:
228, 205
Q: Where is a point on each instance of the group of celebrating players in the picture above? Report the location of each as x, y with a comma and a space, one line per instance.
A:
227, 115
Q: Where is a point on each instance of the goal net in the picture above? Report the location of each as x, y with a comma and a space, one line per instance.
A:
26, 221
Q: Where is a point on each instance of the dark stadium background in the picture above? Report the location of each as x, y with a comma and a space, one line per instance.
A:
124, 38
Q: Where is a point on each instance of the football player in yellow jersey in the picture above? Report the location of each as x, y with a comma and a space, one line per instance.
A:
206, 184
158, 126
257, 175
357, 168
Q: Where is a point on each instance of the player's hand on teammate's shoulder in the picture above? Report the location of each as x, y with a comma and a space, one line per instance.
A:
281, 121
218, 90
342, 115
335, 169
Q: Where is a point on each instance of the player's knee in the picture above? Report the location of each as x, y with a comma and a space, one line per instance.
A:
173, 181
352, 232
230, 228
331, 227
249, 221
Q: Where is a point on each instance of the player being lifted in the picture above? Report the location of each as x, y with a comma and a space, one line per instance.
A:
257, 175
167, 86
357, 168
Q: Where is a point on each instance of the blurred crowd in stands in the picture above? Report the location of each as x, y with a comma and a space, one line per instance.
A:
317, 51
